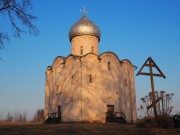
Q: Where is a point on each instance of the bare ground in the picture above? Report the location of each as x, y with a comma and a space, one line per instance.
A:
81, 129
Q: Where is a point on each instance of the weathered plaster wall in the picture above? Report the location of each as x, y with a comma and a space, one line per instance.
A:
84, 86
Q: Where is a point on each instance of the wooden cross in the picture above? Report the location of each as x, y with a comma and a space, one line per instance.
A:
151, 64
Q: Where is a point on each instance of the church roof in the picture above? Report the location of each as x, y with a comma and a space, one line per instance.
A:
84, 26
100, 57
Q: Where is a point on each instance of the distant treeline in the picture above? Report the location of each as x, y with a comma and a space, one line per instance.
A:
22, 117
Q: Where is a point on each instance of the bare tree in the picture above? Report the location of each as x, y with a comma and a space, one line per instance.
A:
1, 119
24, 117
20, 117
39, 115
9, 117
17, 12
16, 116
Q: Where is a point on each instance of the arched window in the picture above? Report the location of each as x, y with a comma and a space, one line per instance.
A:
109, 66
72, 79
57, 87
81, 50
92, 49
90, 78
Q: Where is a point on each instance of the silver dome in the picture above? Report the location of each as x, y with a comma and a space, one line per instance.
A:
84, 27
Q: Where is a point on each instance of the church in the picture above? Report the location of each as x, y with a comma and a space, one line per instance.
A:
86, 86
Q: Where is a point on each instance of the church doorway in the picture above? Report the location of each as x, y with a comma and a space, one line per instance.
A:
110, 113
59, 113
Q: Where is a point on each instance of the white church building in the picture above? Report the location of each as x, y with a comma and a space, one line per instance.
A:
88, 86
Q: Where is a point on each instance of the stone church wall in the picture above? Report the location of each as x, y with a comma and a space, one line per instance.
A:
84, 86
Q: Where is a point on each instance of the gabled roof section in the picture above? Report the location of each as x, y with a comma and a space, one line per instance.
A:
121, 61
128, 61
109, 53
76, 56
49, 68
58, 59
99, 57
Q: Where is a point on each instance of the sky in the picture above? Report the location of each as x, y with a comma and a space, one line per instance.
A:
133, 29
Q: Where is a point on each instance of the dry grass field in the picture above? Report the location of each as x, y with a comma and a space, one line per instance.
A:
81, 129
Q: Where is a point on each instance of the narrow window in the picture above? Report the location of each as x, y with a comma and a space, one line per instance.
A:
72, 79
90, 78
92, 49
126, 83
81, 50
109, 66
49, 101
57, 87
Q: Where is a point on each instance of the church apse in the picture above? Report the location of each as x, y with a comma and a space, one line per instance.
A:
85, 83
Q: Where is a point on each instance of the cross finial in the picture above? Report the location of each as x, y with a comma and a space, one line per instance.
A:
84, 11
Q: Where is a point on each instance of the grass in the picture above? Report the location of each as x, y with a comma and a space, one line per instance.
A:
80, 129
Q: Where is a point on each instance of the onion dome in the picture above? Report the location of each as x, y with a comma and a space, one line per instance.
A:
84, 27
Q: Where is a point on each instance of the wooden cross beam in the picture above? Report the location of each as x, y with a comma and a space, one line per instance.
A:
154, 104
151, 64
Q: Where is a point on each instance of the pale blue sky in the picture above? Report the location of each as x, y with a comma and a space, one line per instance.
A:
133, 29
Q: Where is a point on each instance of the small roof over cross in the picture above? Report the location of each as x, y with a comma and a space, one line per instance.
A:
84, 11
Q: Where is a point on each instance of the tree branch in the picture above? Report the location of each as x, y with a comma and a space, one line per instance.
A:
17, 11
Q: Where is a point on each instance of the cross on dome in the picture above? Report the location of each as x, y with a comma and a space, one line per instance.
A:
84, 11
